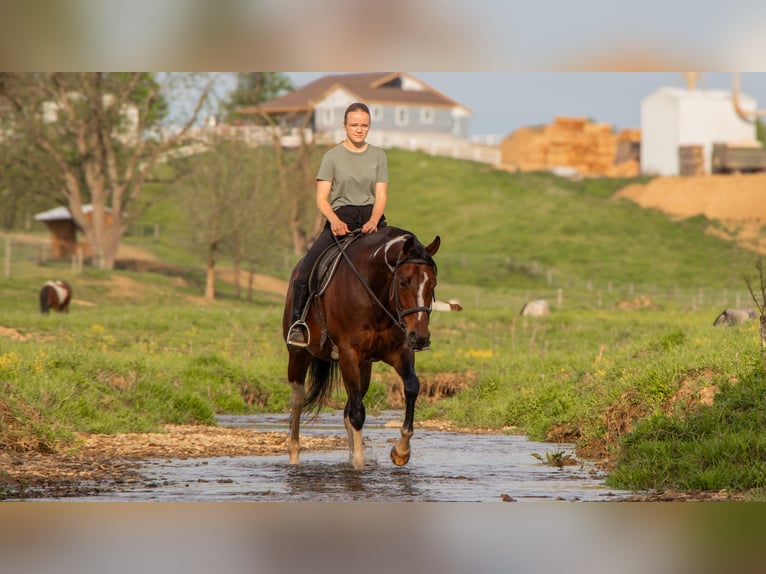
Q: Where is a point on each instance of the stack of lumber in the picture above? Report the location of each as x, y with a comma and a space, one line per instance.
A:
691, 160
573, 142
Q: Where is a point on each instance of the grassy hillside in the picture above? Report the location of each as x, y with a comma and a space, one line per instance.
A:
512, 230
629, 340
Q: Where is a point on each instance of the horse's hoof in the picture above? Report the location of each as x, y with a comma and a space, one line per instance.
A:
399, 459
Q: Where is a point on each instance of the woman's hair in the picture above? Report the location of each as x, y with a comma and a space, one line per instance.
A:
356, 107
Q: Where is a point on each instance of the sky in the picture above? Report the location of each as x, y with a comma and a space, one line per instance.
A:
502, 102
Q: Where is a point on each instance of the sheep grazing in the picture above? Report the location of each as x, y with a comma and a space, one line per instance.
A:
734, 317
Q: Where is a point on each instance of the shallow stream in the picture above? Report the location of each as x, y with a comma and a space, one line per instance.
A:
445, 467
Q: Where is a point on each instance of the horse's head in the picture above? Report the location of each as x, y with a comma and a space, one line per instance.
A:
413, 288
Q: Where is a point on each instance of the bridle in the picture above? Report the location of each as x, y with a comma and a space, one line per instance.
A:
400, 314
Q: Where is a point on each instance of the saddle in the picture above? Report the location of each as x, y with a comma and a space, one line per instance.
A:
327, 262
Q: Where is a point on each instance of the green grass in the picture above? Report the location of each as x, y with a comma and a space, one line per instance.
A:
511, 230
629, 339
120, 364
713, 448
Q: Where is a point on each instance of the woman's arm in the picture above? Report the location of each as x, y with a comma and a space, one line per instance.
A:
381, 194
323, 204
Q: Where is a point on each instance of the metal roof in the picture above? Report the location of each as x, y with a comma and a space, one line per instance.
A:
59, 213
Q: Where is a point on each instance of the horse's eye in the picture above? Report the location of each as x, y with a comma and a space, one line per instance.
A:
403, 283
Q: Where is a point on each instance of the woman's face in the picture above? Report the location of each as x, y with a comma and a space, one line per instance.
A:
357, 125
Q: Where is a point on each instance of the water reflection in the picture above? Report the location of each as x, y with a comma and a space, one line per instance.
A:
319, 481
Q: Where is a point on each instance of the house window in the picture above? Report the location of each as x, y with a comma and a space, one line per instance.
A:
376, 113
328, 116
402, 117
426, 116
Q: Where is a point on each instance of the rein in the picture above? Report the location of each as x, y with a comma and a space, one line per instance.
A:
394, 290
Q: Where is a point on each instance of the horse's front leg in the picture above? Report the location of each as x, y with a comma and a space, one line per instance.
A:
356, 379
400, 452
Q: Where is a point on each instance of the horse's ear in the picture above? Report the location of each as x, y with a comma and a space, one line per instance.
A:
434, 247
409, 243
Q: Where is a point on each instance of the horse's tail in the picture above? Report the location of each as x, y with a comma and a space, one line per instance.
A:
323, 375
44, 301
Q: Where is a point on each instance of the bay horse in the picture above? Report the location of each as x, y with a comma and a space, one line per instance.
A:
55, 295
375, 307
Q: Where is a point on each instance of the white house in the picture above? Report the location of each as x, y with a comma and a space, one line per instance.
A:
406, 112
673, 117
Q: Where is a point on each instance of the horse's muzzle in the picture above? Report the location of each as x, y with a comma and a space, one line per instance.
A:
417, 342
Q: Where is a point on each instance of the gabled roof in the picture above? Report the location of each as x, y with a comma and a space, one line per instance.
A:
378, 88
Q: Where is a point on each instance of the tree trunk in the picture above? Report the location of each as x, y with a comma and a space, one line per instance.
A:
250, 281
236, 275
210, 279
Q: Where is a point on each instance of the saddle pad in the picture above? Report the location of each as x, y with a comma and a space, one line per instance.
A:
327, 262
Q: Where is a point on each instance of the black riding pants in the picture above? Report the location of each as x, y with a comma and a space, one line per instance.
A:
353, 216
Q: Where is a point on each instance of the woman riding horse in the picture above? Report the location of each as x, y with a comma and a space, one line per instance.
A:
352, 186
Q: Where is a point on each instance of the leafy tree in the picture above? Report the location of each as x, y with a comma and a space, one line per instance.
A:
95, 138
23, 191
254, 88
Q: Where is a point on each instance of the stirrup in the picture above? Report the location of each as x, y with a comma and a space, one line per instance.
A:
298, 329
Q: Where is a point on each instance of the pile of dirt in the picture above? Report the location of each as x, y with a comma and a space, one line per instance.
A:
737, 203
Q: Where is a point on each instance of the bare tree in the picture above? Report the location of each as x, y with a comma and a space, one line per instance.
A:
297, 172
296, 167
760, 303
98, 137
225, 193
258, 230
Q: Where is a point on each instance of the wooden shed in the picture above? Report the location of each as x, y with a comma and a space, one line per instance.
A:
64, 230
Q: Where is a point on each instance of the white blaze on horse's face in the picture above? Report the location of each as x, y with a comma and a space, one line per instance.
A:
422, 293
415, 292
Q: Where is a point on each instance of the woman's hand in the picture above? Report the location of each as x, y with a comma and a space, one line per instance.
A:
339, 227
369, 227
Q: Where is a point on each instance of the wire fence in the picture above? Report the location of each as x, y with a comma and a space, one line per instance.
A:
463, 275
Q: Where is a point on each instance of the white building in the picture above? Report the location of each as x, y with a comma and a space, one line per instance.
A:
673, 117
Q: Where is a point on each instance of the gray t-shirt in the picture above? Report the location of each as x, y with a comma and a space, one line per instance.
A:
353, 174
